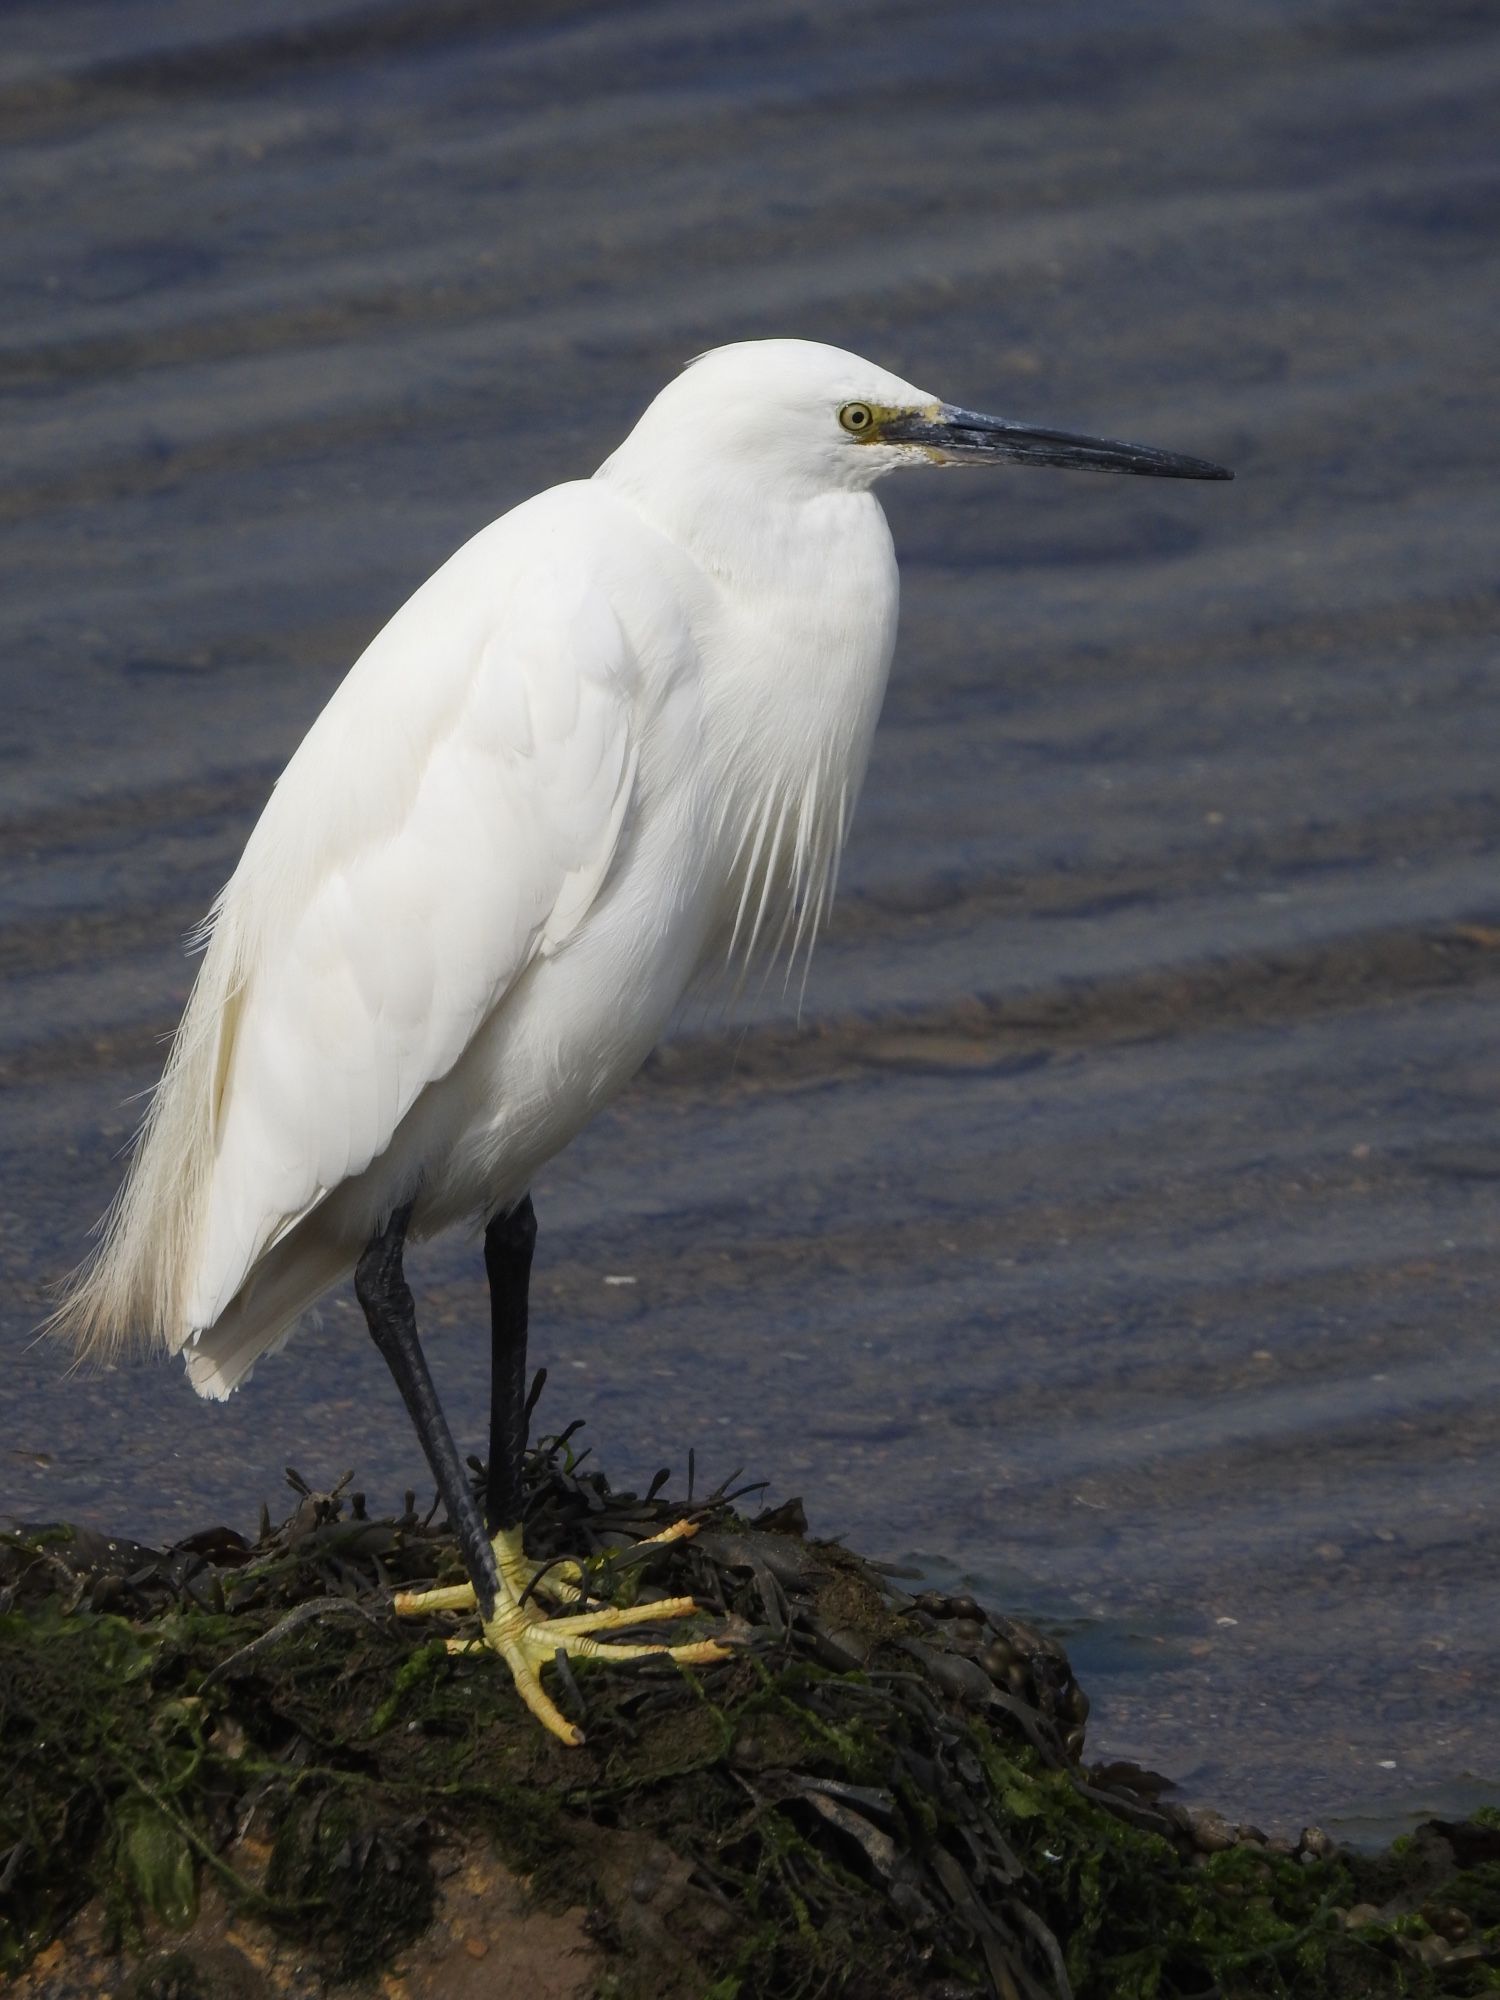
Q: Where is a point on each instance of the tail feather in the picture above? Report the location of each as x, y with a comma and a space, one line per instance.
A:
131, 1292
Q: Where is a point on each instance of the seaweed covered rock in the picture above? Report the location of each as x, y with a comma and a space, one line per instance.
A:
231, 1770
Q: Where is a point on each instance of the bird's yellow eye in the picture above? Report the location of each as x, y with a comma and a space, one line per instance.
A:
857, 418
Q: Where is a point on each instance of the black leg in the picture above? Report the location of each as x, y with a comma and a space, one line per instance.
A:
508, 1244
382, 1290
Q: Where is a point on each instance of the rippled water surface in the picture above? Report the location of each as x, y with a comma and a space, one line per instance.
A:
1119, 1228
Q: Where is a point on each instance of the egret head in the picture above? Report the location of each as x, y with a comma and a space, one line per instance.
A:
797, 416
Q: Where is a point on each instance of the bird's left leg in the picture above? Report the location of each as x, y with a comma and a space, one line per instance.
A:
525, 1640
509, 1243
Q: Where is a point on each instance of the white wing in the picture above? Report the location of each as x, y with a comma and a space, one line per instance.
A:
452, 814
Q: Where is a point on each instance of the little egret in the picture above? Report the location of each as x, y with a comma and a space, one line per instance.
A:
611, 747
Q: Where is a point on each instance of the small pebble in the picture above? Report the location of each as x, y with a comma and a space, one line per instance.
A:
997, 1659
1450, 1923
1212, 1833
1432, 1950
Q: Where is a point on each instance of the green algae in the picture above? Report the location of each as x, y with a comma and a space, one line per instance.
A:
877, 1795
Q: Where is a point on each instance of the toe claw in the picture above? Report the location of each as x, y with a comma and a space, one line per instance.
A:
614, 1617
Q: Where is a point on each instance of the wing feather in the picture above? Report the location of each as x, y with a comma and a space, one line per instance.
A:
453, 812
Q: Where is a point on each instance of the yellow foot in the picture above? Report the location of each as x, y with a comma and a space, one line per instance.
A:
528, 1644
561, 1581
527, 1640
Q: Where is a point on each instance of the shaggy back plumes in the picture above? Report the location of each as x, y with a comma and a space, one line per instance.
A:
130, 1293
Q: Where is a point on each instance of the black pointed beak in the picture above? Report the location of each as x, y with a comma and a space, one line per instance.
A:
960, 436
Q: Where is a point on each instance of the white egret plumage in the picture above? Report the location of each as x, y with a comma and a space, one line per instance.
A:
612, 744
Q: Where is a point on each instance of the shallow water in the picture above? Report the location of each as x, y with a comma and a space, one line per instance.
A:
1119, 1229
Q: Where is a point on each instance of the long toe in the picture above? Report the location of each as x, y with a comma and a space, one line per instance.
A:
450, 1597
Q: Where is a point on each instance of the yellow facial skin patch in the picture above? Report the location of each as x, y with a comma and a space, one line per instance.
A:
865, 422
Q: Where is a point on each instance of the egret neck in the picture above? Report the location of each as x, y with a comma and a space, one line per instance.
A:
796, 619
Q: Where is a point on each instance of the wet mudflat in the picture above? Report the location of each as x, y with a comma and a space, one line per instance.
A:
1119, 1228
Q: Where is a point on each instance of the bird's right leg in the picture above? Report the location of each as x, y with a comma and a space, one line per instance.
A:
523, 1637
